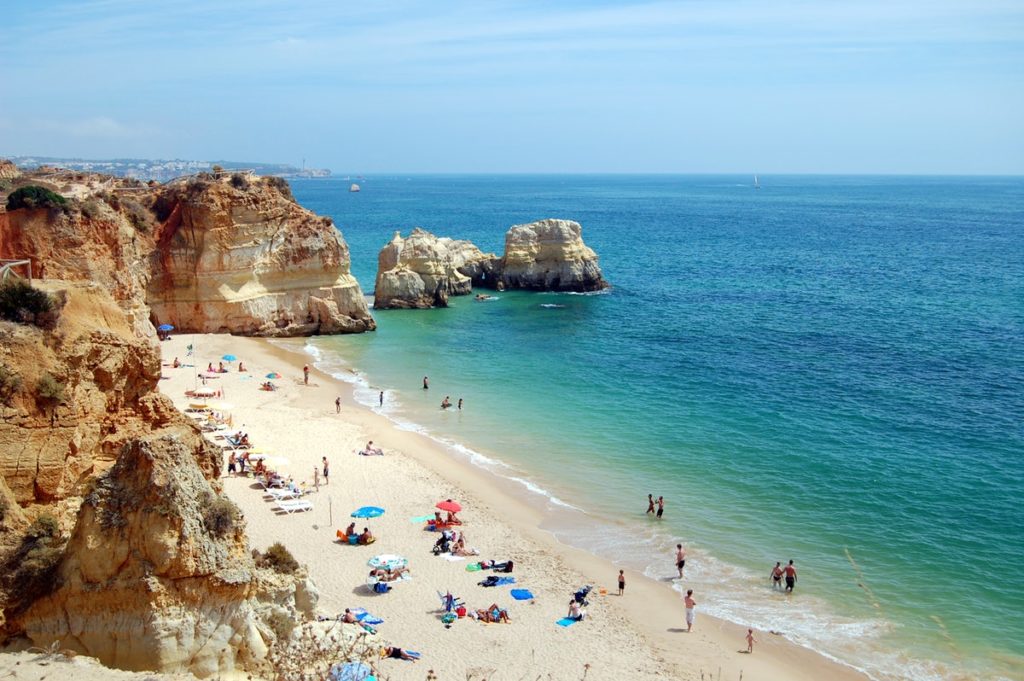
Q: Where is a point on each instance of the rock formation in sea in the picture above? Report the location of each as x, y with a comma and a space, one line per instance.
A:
422, 270
549, 255
115, 539
230, 254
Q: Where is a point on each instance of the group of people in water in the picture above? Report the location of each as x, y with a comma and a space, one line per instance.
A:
446, 403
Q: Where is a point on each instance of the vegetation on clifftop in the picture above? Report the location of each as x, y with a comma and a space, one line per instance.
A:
34, 196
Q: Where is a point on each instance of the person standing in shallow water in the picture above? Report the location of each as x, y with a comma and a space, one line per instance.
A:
426, 383
790, 571
650, 503
776, 575
381, 398
460, 404
680, 559
661, 506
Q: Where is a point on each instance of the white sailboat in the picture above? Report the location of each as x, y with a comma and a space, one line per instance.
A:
354, 187
757, 185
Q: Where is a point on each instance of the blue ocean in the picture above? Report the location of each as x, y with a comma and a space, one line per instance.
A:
825, 369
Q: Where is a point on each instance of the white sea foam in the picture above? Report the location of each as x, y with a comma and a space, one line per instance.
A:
551, 305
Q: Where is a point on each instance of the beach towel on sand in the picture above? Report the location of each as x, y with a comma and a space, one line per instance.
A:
522, 594
566, 622
421, 518
494, 580
365, 617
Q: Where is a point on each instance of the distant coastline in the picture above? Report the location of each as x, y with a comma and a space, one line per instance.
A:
162, 170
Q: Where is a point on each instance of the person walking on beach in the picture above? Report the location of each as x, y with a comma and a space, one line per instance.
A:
661, 506
381, 398
790, 577
337, 405
776, 575
305, 374
690, 605
316, 478
327, 472
622, 581
680, 559
650, 503
426, 383
750, 641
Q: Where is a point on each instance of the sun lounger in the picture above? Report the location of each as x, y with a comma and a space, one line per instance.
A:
282, 494
290, 507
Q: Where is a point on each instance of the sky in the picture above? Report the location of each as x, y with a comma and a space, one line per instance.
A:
554, 86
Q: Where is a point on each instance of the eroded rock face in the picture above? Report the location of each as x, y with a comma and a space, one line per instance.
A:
549, 255
205, 255
148, 584
422, 270
250, 261
109, 377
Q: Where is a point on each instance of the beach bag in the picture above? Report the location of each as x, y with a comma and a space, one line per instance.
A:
381, 588
460, 611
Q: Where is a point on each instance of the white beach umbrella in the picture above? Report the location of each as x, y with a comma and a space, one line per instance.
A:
388, 561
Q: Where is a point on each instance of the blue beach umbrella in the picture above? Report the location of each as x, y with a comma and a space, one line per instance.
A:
165, 327
352, 671
273, 374
368, 512
229, 358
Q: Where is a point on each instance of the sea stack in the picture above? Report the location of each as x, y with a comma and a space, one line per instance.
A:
422, 270
549, 255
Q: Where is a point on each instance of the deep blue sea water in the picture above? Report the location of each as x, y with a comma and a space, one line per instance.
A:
829, 369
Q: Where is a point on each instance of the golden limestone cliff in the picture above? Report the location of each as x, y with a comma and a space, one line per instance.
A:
115, 540
222, 253
549, 255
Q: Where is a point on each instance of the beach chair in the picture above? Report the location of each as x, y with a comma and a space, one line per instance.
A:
281, 494
293, 506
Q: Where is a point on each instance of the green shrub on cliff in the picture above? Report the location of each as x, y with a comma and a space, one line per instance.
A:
21, 303
30, 571
49, 390
10, 381
279, 559
281, 185
220, 516
34, 196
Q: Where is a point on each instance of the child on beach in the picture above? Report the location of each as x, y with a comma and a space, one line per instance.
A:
622, 581
690, 612
750, 641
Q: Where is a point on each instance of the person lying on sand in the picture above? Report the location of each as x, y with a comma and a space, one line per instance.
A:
348, 617
396, 653
388, 574
493, 614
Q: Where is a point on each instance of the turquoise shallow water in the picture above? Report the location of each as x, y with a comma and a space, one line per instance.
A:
829, 369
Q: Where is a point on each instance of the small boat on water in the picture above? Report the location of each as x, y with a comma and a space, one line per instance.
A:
354, 187
757, 185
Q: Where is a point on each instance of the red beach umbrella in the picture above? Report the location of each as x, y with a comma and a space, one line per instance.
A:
449, 505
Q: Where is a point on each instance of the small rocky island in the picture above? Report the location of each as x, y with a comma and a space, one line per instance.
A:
423, 270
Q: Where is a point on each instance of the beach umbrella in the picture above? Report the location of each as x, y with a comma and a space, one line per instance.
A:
273, 374
165, 327
229, 358
368, 512
449, 505
352, 671
388, 561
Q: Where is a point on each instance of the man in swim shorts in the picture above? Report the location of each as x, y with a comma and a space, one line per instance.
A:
790, 571
680, 559
661, 506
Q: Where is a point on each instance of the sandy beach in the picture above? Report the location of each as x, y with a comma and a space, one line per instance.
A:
640, 635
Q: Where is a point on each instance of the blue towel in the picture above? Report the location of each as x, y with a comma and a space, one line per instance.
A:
365, 617
522, 594
413, 654
566, 622
504, 581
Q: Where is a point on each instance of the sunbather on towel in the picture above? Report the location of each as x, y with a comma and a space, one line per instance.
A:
397, 653
493, 614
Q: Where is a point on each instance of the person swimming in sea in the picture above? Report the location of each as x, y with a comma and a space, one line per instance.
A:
446, 403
